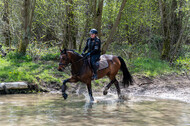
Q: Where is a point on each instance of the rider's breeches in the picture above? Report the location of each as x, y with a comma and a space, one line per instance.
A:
94, 59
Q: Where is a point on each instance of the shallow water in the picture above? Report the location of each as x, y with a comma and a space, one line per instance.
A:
52, 110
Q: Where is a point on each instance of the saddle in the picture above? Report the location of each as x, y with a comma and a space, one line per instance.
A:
101, 63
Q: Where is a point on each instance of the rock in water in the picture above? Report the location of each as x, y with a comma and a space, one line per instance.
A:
13, 85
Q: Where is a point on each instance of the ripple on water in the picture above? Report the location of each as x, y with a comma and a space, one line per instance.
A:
51, 109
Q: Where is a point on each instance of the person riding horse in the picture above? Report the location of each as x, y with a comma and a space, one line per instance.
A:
83, 73
93, 45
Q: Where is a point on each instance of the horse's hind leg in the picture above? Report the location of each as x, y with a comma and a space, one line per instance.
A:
105, 92
117, 87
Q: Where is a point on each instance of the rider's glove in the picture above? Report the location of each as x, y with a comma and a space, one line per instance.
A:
88, 54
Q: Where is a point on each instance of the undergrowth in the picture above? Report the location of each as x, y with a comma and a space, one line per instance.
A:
40, 66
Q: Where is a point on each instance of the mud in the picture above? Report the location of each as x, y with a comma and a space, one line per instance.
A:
174, 86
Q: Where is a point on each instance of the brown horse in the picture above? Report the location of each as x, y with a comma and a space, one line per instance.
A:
81, 71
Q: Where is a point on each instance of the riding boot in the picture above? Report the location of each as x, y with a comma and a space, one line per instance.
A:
94, 77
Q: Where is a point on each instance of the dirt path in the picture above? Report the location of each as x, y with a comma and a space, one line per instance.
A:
170, 87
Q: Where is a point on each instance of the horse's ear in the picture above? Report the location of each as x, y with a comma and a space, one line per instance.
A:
65, 50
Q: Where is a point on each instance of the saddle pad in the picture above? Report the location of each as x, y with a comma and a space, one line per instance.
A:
103, 63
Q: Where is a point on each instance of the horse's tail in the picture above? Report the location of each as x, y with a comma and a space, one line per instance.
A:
127, 78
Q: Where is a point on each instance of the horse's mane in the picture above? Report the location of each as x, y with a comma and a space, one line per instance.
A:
75, 52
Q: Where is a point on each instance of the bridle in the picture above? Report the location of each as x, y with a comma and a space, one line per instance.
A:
69, 64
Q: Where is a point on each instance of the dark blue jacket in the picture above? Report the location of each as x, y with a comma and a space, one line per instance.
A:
93, 46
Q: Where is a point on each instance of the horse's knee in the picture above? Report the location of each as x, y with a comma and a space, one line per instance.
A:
64, 86
65, 81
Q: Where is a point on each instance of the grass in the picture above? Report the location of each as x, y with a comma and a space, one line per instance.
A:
150, 67
22, 68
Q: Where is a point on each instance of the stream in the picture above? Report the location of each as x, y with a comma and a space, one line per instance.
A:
52, 110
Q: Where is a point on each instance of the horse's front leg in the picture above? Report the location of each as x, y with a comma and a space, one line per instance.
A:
64, 86
90, 91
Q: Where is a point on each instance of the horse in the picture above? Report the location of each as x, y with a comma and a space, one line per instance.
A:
81, 71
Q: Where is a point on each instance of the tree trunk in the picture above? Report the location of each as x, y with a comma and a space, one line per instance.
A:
7, 32
70, 28
85, 27
83, 35
179, 41
98, 17
165, 28
28, 10
172, 27
94, 13
175, 22
113, 30
66, 27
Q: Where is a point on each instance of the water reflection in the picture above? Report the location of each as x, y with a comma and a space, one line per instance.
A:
53, 110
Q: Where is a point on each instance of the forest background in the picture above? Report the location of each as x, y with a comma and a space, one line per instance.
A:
153, 36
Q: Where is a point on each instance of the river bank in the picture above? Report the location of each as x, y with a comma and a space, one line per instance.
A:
153, 77
176, 87
173, 86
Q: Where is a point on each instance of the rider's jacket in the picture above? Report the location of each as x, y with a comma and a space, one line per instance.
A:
93, 46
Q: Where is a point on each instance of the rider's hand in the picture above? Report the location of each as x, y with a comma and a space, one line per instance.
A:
88, 54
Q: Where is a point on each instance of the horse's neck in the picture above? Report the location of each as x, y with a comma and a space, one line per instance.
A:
77, 63
75, 58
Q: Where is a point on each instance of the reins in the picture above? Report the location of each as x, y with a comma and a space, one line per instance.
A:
67, 65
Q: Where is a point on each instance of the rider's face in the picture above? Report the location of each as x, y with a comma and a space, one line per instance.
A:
92, 35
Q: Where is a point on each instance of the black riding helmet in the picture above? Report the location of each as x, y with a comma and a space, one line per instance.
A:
93, 31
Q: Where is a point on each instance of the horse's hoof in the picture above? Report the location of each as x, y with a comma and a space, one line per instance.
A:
91, 99
65, 95
105, 92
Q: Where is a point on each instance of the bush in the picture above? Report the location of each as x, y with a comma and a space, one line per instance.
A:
150, 67
15, 56
50, 56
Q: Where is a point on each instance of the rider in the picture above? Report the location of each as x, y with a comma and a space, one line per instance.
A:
93, 45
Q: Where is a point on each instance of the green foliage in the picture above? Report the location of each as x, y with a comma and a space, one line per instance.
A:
183, 63
138, 39
50, 56
16, 57
143, 58
150, 67
9, 71
16, 67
